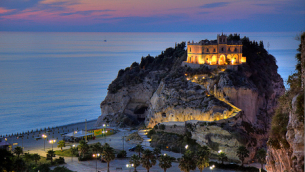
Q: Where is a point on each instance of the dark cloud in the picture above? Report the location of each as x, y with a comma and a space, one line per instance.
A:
215, 5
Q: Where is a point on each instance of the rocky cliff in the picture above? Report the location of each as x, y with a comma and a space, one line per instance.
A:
286, 143
238, 103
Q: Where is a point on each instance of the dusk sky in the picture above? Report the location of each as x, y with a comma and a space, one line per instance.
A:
153, 15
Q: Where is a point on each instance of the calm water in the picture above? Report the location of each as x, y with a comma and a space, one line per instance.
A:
52, 79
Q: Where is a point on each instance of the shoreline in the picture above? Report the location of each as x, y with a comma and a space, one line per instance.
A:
34, 131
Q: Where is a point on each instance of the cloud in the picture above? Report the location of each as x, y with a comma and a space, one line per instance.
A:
85, 13
19, 4
215, 5
4, 10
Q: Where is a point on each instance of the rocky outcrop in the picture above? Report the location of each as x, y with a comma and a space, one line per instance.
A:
238, 104
292, 158
288, 154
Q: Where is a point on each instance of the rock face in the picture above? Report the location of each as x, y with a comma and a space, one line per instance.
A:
291, 159
238, 105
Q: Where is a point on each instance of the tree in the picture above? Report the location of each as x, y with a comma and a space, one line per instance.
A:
36, 157
108, 154
73, 150
61, 144
261, 156
19, 164
139, 149
83, 147
242, 153
203, 158
165, 162
6, 160
222, 157
148, 159
187, 162
97, 148
157, 152
135, 160
18, 150
28, 157
50, 155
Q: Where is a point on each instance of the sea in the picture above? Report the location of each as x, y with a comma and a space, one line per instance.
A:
50, 79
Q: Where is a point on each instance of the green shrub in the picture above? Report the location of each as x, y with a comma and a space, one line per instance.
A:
156, 127
60, 160
151, 132
162, 127
122, 154
85, 158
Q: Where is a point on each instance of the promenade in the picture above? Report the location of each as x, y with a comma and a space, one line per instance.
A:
116, 141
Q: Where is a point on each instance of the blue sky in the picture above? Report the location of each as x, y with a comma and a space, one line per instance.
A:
153, 16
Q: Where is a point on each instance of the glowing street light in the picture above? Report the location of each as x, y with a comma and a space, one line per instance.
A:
129, 166
44, 145
95, 155
186, 146
52, 142
219, 151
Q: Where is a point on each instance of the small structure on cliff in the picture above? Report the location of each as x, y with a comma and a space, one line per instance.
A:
215, 52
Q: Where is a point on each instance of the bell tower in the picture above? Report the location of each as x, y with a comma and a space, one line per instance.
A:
222, 39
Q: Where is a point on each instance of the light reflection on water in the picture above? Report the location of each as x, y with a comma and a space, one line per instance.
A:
51, 79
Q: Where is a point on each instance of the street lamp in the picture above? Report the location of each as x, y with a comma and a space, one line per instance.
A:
212, 167
44, 144
129, 166
52, 142
186, 146
73, 146
96, 155
104, 125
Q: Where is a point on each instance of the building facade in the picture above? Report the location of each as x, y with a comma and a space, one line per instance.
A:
217, 52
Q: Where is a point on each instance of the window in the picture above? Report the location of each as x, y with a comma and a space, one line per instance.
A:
190, 49
163, 115
222, 49
207, 50
235, 50
214, 50
220, 39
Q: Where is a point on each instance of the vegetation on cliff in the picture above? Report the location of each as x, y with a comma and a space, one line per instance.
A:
136, 72
280, 120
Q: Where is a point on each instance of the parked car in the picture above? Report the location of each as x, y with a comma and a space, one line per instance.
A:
132, 149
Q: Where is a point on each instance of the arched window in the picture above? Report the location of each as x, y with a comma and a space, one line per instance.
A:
222, 49
220, 40
207, 50
235, 49
214, 50
190, 49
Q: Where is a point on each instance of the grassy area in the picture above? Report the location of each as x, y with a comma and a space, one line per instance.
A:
64, 152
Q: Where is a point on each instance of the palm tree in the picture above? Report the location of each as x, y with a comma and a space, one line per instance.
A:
148, 159
19, 164
28, 157
97, 147
83, 147
242, 153
135, 160
187, 162
139, 148
108, 154
50, 155
61, 144
157, 152
165, 162
36, 157
222, 157
261, 156
203, 158
18, 150
6, 160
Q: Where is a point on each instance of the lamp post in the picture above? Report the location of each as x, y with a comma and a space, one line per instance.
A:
129, 166
44, 144
95, 155
52, 142
73, 146
104, 125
